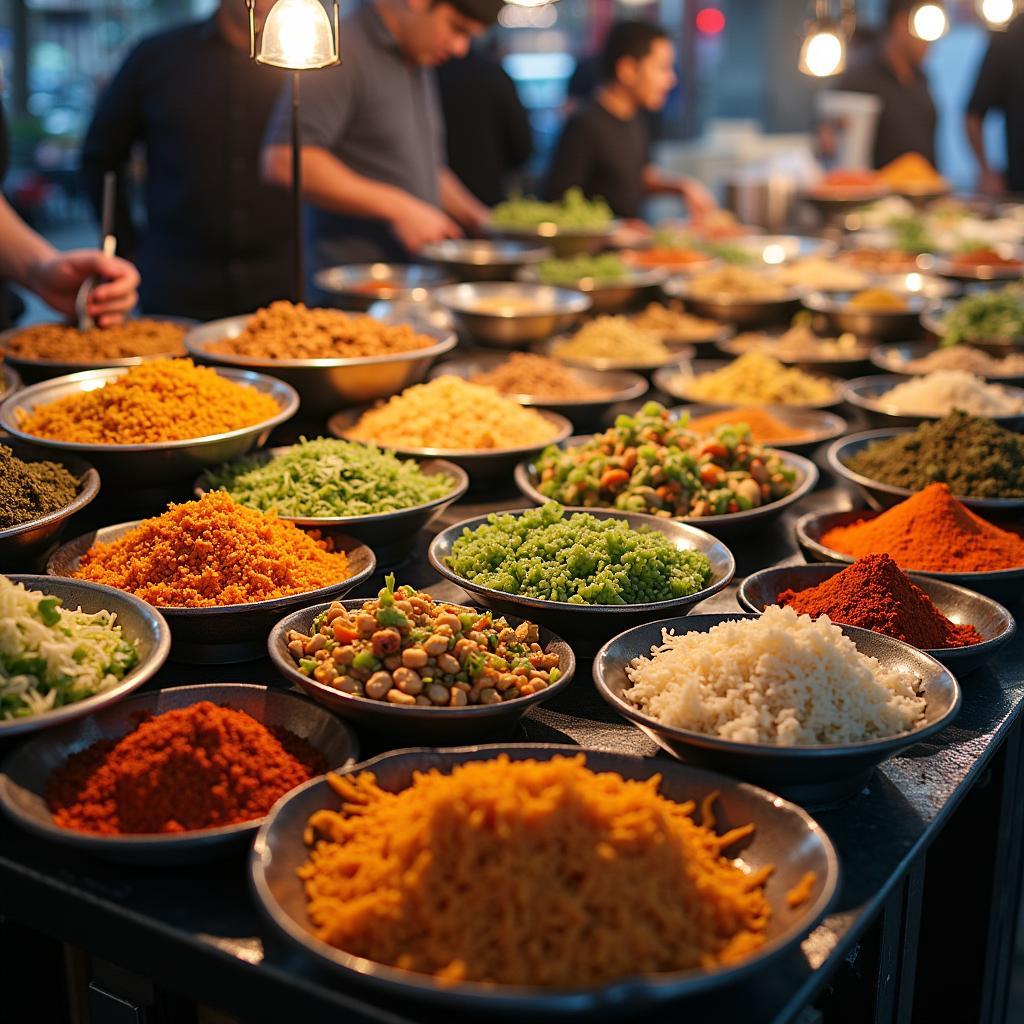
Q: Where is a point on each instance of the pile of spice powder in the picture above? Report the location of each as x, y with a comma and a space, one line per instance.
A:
976, 457
214, 552
165, 400
198, 767
875, 594
933, 532
29, 490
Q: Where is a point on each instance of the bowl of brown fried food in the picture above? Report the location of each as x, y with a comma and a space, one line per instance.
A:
332, 358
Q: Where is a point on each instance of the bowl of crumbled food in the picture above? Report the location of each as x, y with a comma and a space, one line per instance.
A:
616, 343
413, 669
330, 357
738, 295
677, 327
921, 357
879, 313
800, 346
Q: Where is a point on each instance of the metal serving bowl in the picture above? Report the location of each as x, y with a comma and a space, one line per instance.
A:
552, 310
563, 241
138, 621
587, 626
397, 724
1004, 585
674, 381
34, 370
326, 384
814, 776
10, 381
483, 259
995, 624
933, 320
482, 465
633, 288
744, 312
617, 385
784, 836
18, 544
882, 496
893, 359
849, 363
820, 426
27, 770
223, 634
730, 524
357, 286
677, 353
149, 465
868, 393
882, 324
391, 535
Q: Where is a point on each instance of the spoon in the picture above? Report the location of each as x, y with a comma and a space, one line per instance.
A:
109, 247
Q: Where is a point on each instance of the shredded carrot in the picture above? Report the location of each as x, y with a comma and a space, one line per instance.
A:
801, 892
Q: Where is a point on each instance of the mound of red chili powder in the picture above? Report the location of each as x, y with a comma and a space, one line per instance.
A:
874, 593
199, 767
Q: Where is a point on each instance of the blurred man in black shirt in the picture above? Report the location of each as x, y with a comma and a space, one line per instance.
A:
605, 145
216, 238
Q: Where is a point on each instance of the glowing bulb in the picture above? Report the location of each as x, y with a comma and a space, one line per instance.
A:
997, 13
928, 22
297, 34
773, 254
914, 283
823, 52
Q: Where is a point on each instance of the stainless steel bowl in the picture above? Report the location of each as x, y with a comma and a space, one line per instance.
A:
933, 320
563, 241
325, 384
784, 836
881, 324
482, 465
744, 312
731, 524
587, 626
34, 370
893, 359
617, 386
847, 364
358, 286
815, 776
882, 496
138, 621
27, 770
10, 380
224, 634
677, 353
1005, 585
554, 310
149, 465
868, 394
482, 259
635, 287
960, 605
396, 724
19, 544
675, 381
391, 535
820, 426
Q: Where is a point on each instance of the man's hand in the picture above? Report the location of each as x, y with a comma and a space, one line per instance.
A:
56, 281
991, 183
417, 224
698, 199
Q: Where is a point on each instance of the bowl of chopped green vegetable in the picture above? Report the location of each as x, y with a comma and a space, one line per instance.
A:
654, 463
989, 319
585, 573
611, 283
464, 675
367, 492
74, 647
571, 226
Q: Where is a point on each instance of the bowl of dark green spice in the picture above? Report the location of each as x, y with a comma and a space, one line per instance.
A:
982, 462
39, 492
369, 493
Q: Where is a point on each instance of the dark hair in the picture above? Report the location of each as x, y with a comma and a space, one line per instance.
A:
898, 9
628, 39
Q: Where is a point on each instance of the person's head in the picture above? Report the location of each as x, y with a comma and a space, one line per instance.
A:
431, 32
898, 35
639, 57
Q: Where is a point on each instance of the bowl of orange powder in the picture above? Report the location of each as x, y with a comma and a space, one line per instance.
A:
777, 426
174, 776
220, 573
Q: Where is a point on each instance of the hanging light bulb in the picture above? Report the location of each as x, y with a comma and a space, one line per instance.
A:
823, 50
997, 14
298, 35
929, 22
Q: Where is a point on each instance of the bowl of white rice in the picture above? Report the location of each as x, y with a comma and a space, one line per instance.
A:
801, 706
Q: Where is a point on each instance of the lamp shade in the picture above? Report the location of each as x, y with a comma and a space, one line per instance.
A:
298, 35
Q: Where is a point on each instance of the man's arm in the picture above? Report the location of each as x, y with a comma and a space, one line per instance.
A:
698, 199
459, 203
985, 96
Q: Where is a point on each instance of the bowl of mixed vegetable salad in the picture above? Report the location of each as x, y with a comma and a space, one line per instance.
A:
570, 226
653, 463
611, 282
68, 647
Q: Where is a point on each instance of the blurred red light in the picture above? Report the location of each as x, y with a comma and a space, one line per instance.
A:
710, 21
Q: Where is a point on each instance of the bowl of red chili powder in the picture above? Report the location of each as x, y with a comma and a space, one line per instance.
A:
174, 776
954, 625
